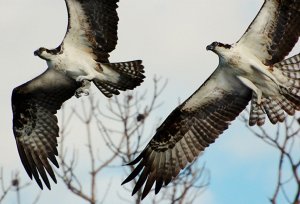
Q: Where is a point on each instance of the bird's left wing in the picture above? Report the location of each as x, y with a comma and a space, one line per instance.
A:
34, 106
189, 129
92, 24
274, 31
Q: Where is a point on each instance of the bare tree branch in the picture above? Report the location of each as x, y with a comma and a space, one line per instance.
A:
123, 125
15, 186
286, 142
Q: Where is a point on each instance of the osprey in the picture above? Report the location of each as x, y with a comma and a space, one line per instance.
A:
250, 69
81, 58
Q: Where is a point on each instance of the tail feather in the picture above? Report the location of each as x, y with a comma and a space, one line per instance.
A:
290, 67
295, 91
293, 96
106, 89
274, 110
287, 101
272, 107
134, 69
287, 106
291, 64
126, 76
295, 83
257, 114
291, 74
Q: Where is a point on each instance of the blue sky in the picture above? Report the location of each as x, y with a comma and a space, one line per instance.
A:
170, 36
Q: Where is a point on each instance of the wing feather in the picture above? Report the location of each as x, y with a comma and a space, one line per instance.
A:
34, 105
149, 184
92, 26
174, 162
181, 157
274, 31
190, 128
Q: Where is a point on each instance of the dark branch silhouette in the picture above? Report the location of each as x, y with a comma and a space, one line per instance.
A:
285, 141
124, 126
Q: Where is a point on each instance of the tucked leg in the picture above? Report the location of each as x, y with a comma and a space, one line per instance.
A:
84, 89
254, 88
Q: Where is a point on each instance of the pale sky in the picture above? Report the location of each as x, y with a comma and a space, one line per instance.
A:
170, 37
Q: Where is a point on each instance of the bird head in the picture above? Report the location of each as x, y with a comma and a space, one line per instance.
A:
46, 54
217, 47
43, 53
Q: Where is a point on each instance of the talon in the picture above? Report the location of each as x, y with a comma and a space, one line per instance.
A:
82, 91
77, 94
86, 92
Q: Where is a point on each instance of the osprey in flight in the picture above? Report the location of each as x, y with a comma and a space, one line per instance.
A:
250, 69
81, 58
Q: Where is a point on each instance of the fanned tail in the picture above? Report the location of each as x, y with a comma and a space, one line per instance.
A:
120, 76
257, 114
106, 88
274, 107
290, 64
291, 69
288, 101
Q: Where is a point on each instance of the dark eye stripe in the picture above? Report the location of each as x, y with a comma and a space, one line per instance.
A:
56, 50
227, 46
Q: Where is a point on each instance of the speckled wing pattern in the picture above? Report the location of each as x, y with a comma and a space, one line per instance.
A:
274, 31
34, 106
93, 24
188, 130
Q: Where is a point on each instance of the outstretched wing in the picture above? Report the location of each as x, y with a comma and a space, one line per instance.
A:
34, 106
92, 26
189, 129
274, 31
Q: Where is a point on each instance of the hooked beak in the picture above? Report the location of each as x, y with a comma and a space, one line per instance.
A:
209, 47
36, 53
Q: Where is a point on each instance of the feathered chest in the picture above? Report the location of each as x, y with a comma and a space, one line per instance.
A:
73, 62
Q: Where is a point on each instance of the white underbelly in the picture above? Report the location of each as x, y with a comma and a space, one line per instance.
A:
266, 85
268, 82
74, 66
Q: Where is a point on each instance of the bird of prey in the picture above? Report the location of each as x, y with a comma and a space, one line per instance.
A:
253, 69
81, 58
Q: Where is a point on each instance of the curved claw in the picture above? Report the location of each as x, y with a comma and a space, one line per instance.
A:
81, 92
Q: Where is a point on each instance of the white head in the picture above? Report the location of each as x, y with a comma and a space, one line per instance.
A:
46, 54
224, 51
218, 47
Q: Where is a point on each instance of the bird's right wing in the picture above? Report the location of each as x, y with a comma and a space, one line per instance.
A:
92, 26
189, 129
34, 106
274, 31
